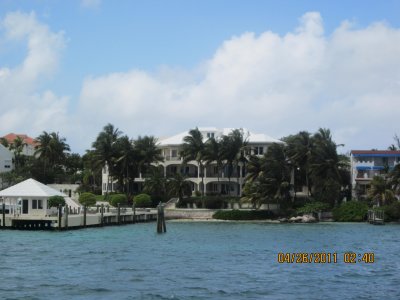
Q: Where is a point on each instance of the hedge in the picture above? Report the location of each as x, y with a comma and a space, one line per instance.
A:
243, 214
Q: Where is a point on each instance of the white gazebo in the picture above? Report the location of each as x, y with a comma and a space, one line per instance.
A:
28, 198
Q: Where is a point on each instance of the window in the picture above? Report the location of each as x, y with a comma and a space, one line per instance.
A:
40, 204
174, 153
210, 134
34, 204
258, 150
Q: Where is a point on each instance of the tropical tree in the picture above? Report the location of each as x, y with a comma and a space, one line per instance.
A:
4, 142
380, 191
394, 179
126, 162
179, 186
324, 167
87, 199
148, 152
268, 177
193, 148
213, 154
51, 151
233, 146
105, 151
55, 201
156, 184
18, 146
299, 151
396, 145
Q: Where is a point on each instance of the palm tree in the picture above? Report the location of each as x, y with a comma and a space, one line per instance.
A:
18, 146
233, 146
4, 142
104, 149
380, 191
193, 148
50, 149
179, 186
156, 184
299, 150
126, 162
148, 152
213, 154
394, 179
268, 177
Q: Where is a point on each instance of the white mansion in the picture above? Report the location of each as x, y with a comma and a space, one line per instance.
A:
172, 164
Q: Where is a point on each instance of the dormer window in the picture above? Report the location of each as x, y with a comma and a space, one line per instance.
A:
210, 135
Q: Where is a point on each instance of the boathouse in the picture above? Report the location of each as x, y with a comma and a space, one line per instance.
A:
24, 206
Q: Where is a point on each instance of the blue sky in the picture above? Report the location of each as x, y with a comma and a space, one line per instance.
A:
162, 67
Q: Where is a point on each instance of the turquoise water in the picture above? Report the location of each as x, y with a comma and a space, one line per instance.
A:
199, 261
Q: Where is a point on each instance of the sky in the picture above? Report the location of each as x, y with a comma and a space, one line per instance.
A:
163, 67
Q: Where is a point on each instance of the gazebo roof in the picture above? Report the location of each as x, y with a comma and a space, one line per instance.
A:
30, 188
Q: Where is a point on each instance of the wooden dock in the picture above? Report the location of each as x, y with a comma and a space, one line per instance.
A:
66, 219
376, 217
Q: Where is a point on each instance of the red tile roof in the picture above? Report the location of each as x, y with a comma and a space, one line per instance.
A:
374, 152
12, 136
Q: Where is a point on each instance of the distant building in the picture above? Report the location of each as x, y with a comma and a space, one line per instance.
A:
30, 143
6, 159
365, 164
170, 149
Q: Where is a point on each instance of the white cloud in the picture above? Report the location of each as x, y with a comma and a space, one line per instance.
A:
347, 81
25, 107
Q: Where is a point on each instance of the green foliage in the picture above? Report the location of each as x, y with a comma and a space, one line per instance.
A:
55, 201
392, 211
87, 199
142, 200
116, 199
353, 211
313, 207
243, 215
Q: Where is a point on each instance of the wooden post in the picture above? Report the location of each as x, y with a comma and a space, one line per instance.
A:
66, 216
84, 216
4, 215
102, 214
134, 213
119, 214
161, 228
59, 216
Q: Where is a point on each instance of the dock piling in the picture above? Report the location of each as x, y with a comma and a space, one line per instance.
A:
102, 214
3, 223
66, 216
59, 216
161, 228
84, 216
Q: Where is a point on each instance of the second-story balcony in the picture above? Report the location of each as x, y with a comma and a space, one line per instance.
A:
172, 158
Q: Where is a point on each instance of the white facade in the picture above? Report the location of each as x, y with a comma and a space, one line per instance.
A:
172, 164
6, 159
28, 198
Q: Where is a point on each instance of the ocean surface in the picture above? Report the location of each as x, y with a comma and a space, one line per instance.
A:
200, 260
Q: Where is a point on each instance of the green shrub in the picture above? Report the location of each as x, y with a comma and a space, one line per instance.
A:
142, 200
120, 199
87, 199
392, 211
353, 211
313, 207
55, 201
243, 214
